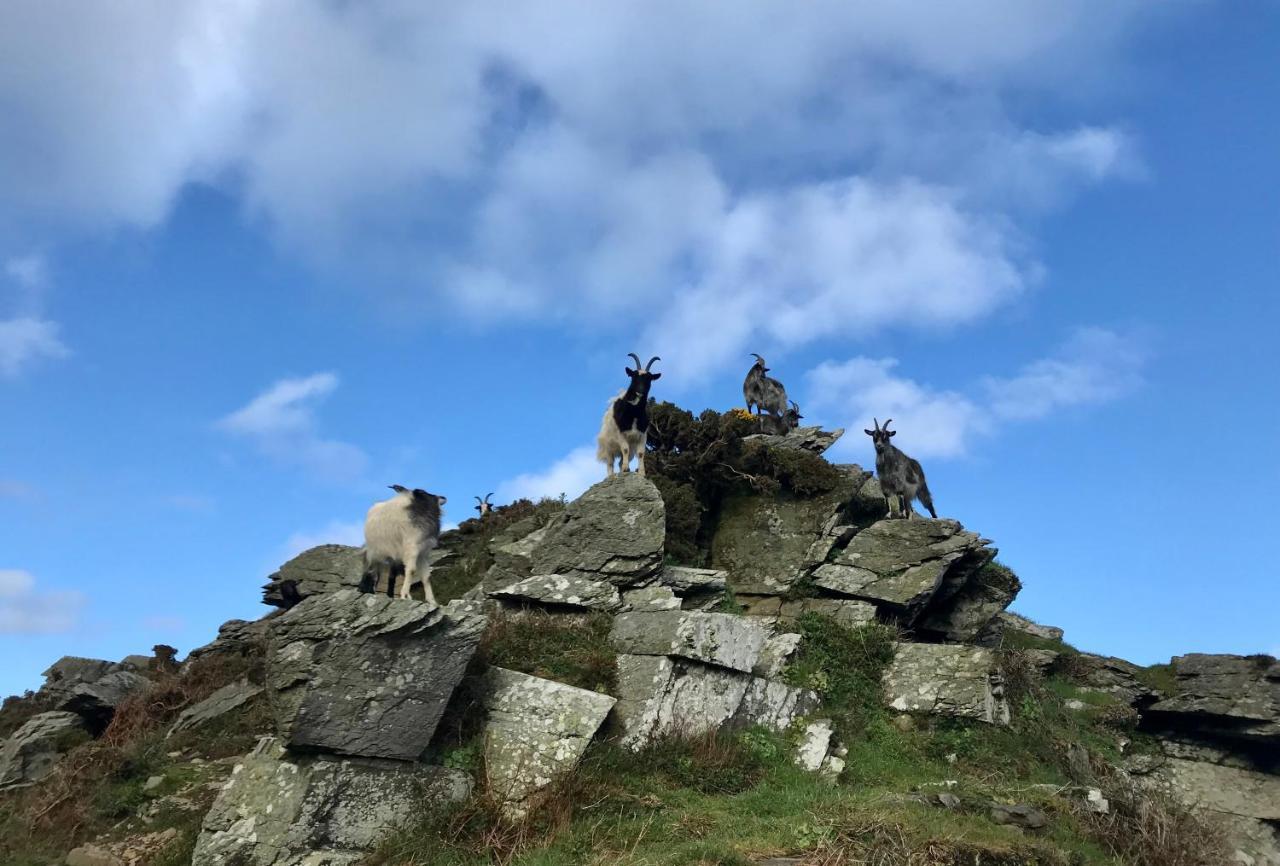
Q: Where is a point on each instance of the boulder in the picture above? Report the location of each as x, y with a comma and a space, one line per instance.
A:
766, 543
221, 702
901, 564
1011, 621
684, 580
1019, 815
650, 598
714, 638
512, 552
946, 680
1111, 676
614, 532
562, 591
68, 672
773, 705
660, 696
813, 439
969, 598
1228, 697
364, 674
320, 570
537, 730
814, 743
92, 855
32, 751
96, 702
279, 810
1228, 790
236, 637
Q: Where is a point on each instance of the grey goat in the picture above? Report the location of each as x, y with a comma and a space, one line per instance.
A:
901, 477
762, 392
775, 426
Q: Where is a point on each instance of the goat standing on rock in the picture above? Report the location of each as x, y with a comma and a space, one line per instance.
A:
762, 392
401, 531
901, 477
624, 431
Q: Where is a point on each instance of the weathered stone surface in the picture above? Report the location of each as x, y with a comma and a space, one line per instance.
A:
766, 543
96, 702
1257, 843
901, 564
1017, 622
1222, 789
236, 637
813, 746
714, 638
68, 672
1042, 660
1019, 815
363, 674
33, 750
512, 552
1113, 676
972, 594
614, 532
92, 855
562, 590
658, 695
946, 680
1235, 697
650, 598
774, 705
277, 810
683, 579
324, 569
224, 700
775, 655
849, 612
813, 439
537, 730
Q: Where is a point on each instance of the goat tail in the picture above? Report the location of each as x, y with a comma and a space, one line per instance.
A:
926, 498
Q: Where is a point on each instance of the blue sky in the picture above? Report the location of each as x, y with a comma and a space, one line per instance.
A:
259, 260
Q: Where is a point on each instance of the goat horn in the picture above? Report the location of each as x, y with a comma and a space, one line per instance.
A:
886, 424
637, 357
478, 499
650, 364
794, 406
875, 423
757, 357
486, 496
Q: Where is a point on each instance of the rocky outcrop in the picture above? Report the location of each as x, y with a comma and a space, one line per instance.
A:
67, 673
536, 731
1010, 621
33, 750
558, 590
948, 680
96, 702
1111, 676
282, 810
613, 533
713, 638
812, 439
1226, 697
658, 695
324, 569
237, 637
225, 700
363, 674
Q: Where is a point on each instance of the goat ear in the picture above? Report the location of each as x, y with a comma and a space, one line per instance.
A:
868, 432
653, 377
629, 372
892, 433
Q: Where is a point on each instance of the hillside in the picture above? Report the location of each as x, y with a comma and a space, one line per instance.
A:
736, 660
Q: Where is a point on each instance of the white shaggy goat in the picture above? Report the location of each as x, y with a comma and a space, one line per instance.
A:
402, 531
624, 430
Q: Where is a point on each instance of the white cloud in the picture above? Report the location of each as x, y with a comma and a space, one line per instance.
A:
281, 422
570, 475
334, 532
25, 341
529, 161
1095, 366
26, 610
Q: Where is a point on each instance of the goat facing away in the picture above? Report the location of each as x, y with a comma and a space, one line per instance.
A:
762, 392
901, 477
400, 533
624, 430
484, 506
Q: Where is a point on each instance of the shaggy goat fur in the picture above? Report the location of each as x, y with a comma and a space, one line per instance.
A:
901, 477
763, 393
402, 531
624, 430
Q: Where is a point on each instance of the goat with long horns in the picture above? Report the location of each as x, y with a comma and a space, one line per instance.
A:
901, 477
624, 430
484, 506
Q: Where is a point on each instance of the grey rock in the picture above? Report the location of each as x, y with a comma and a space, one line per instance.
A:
650, 598
562, 590
236, 637
849, 612
946, 680
714, 638
614, 532
1231, 697
363, 674
814, 743
536, 731
813, 439
1017, 622
684, 580
224, 700
320, 570
512, 552
776, 654
68, 672
660, 696
902, 564
1256, 842
96, 702
1228, 790
137, 663
773, 705
971, 596
1042, 660
1019, 815
766, 543
32, 751
277, 810
92, 855
1112, 676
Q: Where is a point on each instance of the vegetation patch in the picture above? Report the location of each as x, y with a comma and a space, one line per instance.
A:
468, 545
846, 667
566, 647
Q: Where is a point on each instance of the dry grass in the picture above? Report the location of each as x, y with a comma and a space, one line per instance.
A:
1148, 828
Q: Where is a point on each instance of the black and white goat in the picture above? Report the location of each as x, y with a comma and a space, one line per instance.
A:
484, 506
762, 392
624, 429
901, 477
400, 533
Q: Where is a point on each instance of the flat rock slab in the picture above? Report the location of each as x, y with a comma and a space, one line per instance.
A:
562, 591
774, 705
324, 569
537, 730
946, 680
1232, 791
96, 702
814, 744
360, 674
684, 579
1232, 696
813, 439
614, 532
224, 700
278, 810
32, 751
902, 563
714, 638
650, 598
1011, 621
660, 696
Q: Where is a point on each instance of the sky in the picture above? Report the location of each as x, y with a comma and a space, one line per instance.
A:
259, 260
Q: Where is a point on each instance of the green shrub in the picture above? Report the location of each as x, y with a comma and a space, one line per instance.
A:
567, 648
845, 666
